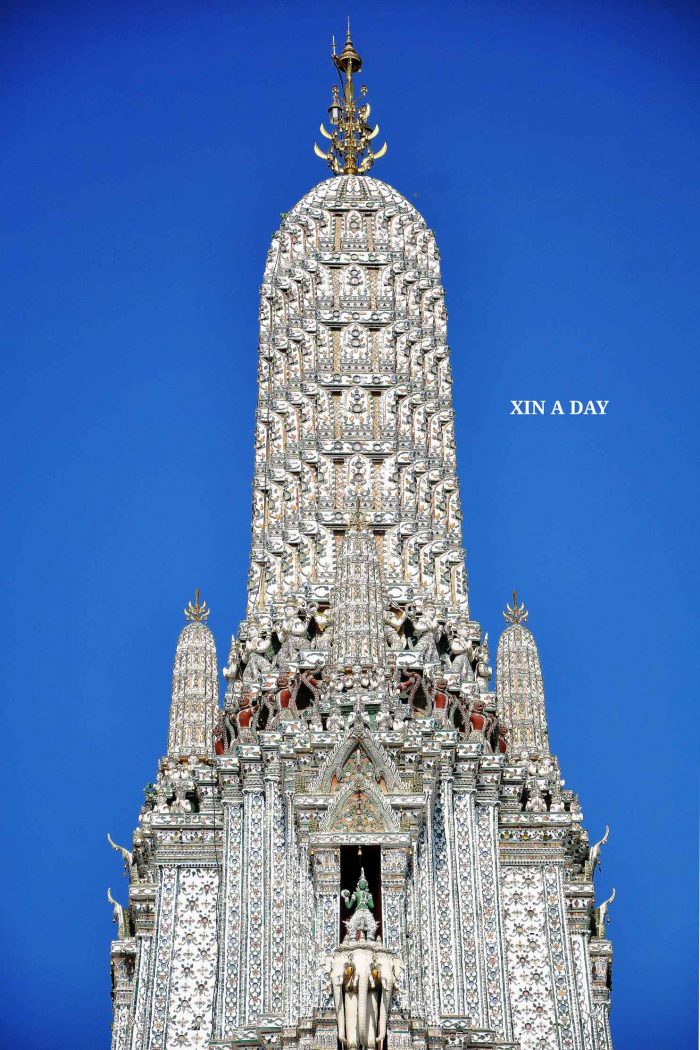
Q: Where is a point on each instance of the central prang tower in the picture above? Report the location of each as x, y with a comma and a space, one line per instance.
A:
366, 844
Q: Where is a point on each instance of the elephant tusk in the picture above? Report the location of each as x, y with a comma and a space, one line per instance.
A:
374, 133
325, 133
320, 153
381, 152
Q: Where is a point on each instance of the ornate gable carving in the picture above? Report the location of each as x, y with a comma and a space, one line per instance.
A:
373, 761
360, 806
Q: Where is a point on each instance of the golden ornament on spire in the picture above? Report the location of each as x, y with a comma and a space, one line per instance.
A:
197, 613
516, 613
349, 152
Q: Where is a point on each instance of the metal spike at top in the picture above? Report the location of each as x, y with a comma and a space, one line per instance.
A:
349, 152
516, 613
197, 613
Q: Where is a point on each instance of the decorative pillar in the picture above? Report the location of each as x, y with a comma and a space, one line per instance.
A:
276, 880
601, 965
254, 889
142, 898
327, 892
474, 979
228, 1004
163, 950
579, 898
443, 857
488, 896
122, 958
394, 871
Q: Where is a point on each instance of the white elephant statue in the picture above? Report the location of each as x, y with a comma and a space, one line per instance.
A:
363, 976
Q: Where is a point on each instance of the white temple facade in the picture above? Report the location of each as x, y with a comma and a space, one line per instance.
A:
367, 845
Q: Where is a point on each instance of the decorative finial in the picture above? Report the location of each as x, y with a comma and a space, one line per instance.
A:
197, 613
516, 613
349, 152
358, 519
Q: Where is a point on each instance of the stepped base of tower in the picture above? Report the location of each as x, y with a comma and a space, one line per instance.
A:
479, 881
320, 1033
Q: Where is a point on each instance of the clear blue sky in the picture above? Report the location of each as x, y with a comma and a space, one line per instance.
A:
148, 151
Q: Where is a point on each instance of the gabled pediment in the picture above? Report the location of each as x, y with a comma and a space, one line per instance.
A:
360, 806
359, 753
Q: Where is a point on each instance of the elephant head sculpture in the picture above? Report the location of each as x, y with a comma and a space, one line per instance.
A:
363, 977
390, 976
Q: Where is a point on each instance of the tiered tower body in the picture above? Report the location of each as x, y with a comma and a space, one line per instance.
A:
359, 726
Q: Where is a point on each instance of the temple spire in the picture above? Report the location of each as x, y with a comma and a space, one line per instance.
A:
349, 152
195, 688
519, 685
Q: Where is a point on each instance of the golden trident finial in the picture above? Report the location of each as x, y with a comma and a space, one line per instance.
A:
349, 152
516, 613
197, 613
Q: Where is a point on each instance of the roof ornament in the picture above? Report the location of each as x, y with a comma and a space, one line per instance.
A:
516, 613
358, 520
197, 613
349, 152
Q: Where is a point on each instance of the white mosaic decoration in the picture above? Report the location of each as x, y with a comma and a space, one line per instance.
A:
193, 960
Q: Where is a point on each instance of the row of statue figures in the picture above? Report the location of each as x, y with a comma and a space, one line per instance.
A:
385, 700
266, 644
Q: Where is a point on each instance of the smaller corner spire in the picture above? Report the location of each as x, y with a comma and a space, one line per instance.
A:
349, 151
196, 612
516, 613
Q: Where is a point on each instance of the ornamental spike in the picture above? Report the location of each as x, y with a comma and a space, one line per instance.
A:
516, 613
349, 152
197, 612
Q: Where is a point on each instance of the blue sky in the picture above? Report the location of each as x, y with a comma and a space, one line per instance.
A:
148, 152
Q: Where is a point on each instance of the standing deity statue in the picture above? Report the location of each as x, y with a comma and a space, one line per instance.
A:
294, 631
363, 921
426, 627
461, 651
483, 667
394, 620
323, 624
259, 651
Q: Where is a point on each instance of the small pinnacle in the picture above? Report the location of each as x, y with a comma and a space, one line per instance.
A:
197, 612
517, 613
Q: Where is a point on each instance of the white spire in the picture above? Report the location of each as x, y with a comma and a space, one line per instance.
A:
519, 685
195, 690
355, 399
